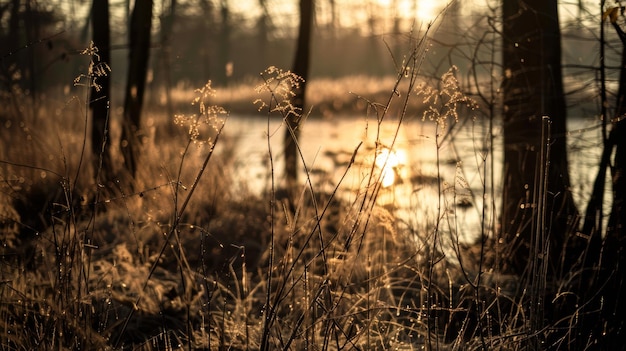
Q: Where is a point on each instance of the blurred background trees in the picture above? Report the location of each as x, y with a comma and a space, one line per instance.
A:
210, 36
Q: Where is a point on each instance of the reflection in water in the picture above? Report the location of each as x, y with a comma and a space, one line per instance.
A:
424, 184
413, 172
390, 163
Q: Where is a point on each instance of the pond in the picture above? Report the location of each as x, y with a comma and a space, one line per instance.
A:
425, 178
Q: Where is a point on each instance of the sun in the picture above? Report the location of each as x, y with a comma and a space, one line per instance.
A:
426, 10
389, 163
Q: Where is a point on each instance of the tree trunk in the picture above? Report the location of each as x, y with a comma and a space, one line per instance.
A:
223, 72
168, 17
614, 253
99, 100
13, 36
538, 214
139, 53
300, 68
532, 89
608, 285
263, 32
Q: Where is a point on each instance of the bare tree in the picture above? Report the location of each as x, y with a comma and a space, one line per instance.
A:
139, 53
101, 94
539, 216
300, 68
535, 162
167, 18
224, 43
605, 260
263, 30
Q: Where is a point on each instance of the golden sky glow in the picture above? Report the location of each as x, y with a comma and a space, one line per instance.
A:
350, 12
421, 10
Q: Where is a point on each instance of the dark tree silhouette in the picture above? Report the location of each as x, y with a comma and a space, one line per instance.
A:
26, 45
139, 53
300, 68
167, 19
616, 144
100, 95
539, 217
537, 202
11, 39
263, 31
223, 57
602, 288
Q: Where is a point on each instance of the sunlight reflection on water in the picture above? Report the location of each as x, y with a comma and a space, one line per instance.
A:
410, 174
423, 182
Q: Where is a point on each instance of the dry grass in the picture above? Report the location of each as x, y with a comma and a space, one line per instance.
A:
193, 260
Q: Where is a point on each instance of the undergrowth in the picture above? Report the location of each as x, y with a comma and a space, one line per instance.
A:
195, 260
